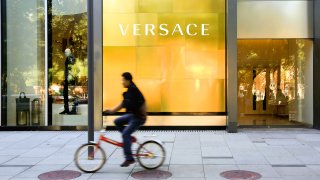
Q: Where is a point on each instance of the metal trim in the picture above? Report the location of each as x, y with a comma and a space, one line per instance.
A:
232, 66
110, 128
90, 71
0, 61
98, 56
46, 63
175, 114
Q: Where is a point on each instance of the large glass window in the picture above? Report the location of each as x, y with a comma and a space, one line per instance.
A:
275, 82
68, 63
175, 50
23, 63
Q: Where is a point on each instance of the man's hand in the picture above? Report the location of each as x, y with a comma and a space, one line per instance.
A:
108, 111
114, 110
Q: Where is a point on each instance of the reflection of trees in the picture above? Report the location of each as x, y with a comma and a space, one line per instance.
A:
69, 31
27, 76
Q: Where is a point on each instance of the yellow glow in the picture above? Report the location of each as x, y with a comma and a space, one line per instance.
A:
176, 73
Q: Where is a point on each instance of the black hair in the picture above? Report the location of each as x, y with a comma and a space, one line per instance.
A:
127, 76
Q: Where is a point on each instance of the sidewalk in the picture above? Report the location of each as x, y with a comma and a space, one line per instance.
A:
290, 154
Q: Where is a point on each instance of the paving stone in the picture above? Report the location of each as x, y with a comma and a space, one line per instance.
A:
294, 171
213, 171
266, 171
186, 171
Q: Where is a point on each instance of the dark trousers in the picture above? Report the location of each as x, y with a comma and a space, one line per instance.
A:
133, 123
66, 95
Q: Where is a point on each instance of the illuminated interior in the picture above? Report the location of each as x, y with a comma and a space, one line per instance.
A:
275, 82
175, 72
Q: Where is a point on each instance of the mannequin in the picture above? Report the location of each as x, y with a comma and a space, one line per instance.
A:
70, 60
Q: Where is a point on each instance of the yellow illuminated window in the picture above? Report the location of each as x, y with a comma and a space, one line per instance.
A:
175, 50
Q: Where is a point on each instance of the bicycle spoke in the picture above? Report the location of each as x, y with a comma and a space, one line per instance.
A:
154, 157
89, 162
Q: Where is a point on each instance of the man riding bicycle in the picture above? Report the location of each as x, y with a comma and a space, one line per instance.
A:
134, 103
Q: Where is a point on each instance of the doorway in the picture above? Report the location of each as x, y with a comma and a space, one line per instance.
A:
275, 82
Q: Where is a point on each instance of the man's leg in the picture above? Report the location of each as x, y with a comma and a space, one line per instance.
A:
121, 121
133, 125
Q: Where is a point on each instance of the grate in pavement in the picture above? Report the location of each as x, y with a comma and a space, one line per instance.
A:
62, 174
240, 174
151, 174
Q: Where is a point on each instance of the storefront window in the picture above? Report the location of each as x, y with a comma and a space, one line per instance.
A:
23, 63
175, 49
275, 82
68, 63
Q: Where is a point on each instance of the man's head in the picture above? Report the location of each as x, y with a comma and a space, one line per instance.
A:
126, 79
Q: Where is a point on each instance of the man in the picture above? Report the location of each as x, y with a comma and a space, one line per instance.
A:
136, 115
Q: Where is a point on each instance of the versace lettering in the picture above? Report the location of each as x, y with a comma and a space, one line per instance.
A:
163, 30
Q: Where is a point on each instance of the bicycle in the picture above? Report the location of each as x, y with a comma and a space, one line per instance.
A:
91, 157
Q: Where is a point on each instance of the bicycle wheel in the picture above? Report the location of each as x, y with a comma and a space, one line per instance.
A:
151, 155
90, 158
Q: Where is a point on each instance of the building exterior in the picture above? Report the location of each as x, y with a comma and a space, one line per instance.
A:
200, 64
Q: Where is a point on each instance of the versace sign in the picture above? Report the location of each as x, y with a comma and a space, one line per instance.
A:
164, 30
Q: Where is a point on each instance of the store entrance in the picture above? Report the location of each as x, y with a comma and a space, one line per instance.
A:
274, 82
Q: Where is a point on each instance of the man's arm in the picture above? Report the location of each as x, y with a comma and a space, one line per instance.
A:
115, 109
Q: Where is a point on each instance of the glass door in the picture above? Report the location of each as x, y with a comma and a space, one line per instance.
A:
275, 82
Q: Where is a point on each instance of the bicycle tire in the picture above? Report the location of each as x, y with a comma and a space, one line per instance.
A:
139, 158
76, 158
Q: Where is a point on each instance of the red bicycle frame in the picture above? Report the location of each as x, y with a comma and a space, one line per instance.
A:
119, 144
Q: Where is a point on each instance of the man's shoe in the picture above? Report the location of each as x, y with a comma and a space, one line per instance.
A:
127, 163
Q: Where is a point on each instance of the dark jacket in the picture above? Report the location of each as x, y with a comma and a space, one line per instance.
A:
134, 102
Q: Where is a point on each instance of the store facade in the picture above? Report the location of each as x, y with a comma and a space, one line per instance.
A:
210, 64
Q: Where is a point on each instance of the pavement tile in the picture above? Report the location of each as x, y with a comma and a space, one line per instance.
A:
308, 137
188, 159
216, 152
266, 171
294, 171
113, 171
186, 171
11, 171
30, 174
250, 159
47, 168
23, 161
17, 178
174, 178
282, 142
5, 177
221, 161
39, 152
109, 178
315, 168
309, 159
4, 159
301, 177
213, 171
284, 160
